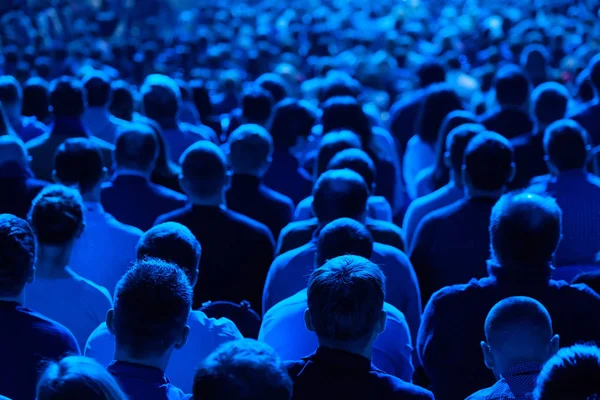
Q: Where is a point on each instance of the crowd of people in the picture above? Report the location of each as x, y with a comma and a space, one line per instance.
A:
304, 199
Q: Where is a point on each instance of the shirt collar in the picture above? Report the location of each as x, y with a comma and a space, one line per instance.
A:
529, 368
132, 370
129, 172
342, 359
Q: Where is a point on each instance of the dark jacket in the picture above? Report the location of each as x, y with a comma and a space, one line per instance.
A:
510, 122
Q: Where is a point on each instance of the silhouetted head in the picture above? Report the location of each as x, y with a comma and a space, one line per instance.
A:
250, 150
430, 73
340, 194
136, 149
332, 144
292, 123
97, 88
122, 104
204, 173
358, 161
275, 85
594, 67
439, 101
257, 104
161, 97
67, 98
549, 102
342, 237
36, 99
13, 153
17, 255
512, 86
567, 146
78, 163
456, 145
346, 113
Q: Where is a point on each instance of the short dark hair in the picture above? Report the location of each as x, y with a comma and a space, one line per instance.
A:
549, 102
525, 230
257, 104
489, 161
78, 162
291, 119
204, 165
343, 237
512, 85
36, 99
457, 141
440, 100
566, 144
56, 215
17, 254
345, 297
152, 302
10, 90
431, 72
355, 160
345, 112
136, 148
242, 370
121, 100
274, 84
571, 374
339, 194
585, 88
201, 98
174, 243
250, 147
161, 97
594, 67
333, 143
67, 97
97, 87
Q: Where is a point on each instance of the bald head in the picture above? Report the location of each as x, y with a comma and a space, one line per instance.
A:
136, 149
204, 170
12, 151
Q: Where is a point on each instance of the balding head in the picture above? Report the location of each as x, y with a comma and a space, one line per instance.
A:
518, 330
136, 149
203, 171
250, 150
488, 164
13, 152
340, 194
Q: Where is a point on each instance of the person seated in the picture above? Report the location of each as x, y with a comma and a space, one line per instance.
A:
36, 100
162, 99
16, 178
56, 218
97, 118
67, 100
187, 111
567, 147
519, 340
458, 233
149, 321
174, 243
331, 196
106, 247
549, 103
242, 370
456, 144
257, 105
77, 378
121, 103
345, 310
11, 97
525, 230
250, 154
571, 374
275, 85
26, 338
511, 118
392, 349
130, 196
291, 126
588, 115
237, 250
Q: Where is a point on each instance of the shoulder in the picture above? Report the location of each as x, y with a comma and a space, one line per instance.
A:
51, 329
399, 388
248, 223
593, 180
179, 215
385, 251
450, 295
579, 290
202, 132
123, 230
37, 142
276, 197
100, 293
166, 192
103, 145
299, 226
283, 260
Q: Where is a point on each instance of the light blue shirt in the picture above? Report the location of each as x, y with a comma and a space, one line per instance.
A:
206, 334
289, 273
100, 123
106, 249
377, 208
283, 329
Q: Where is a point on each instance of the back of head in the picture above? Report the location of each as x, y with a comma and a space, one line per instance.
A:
242, 370
343, 237
121, 100
585, 88
136, 149
152, 302
67, 97
250, 149
488, 164
36, 99
13, 151
594, 67
204, 170
345, 298
257, 104
17, 254
173, 243
56, 215
339, 194
11, 92
512, 86
76, 377
275, 85
440, 101
355, 160
571, 374
97, 88
291, 120
549, 102
457, 141
161, 97
332, 144
346, 113
431, 72
566, 144
525, 230
201, 98
78, 162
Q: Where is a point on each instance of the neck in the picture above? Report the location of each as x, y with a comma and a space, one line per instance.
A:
98, 110
20, 298
93, 195
52, 260
161, 362
456, 179
354, 348
215, 201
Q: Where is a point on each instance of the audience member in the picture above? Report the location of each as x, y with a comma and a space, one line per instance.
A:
149, 321
204, 106
106, 247
26, 338
242, 370
11, 97
130, 196
56, 218
67, 100
525, 230
392, 349
458, 233
345, 310
237, 250
36, 100
589, 114
250, 155
519, 340
121, 103
78, 378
